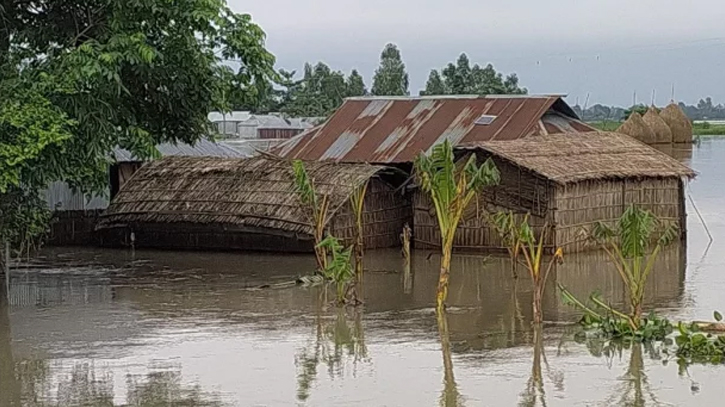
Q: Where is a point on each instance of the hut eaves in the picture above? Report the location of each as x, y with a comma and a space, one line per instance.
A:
568, 158
396, 129
255, 192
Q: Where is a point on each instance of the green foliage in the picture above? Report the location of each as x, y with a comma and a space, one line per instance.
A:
80, 78
694, 346
603, 321
356, 84
320, 91
434, 85
462, 79
627, 246
303, 184
390, 78
317, 206
25, 219
451, 187
339, 269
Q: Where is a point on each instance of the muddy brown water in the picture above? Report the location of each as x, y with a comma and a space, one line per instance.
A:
115, 328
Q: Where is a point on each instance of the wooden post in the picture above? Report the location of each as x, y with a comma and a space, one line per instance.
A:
6, 267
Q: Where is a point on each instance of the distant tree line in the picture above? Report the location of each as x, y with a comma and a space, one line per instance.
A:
321, 90
704, 110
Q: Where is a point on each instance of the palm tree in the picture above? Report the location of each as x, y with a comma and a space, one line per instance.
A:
627, 246
451, 187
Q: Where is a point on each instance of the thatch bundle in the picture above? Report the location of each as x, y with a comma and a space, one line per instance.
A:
635, 127
663, 134
678, 122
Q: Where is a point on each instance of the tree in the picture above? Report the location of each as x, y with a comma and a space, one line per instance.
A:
81, 77
356, 85
462, 79
390, 78
451, 188
435, 85
319, 92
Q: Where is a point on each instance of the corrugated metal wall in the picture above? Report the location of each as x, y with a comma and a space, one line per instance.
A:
61, 197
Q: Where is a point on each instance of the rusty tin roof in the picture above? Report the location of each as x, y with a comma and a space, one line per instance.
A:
395, 129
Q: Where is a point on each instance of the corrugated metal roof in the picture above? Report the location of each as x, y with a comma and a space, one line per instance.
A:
202, 148
387, 130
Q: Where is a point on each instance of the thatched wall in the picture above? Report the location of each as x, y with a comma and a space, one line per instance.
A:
212, 203
385, 212
520, 191
568, 181
580, 205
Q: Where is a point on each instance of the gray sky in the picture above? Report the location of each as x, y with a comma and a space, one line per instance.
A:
607, 48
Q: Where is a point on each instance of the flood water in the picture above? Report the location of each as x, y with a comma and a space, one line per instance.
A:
85, 327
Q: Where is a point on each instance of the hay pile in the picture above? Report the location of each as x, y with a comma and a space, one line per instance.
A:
678, 122
663, 134
636, 127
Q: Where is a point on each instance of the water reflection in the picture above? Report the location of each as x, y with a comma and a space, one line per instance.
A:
9, 386
635, 389
335, 343
534, 394
450, 397
87, 385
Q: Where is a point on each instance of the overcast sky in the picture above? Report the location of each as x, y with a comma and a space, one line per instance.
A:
606, 48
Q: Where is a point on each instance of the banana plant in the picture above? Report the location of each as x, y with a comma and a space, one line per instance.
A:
318, 205
627, 245
357, 201
505, 224
451, 188
339, 269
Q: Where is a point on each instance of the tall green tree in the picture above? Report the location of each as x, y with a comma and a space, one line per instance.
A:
81, 77
463, 79
391, 78
320, 91
434, 85
356, 84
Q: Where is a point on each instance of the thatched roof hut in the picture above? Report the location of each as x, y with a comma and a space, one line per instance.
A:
679, 123
637, 128
663, 134
200, 202
568, 181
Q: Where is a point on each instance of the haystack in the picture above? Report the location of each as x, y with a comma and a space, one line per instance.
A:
678, 122
635, 127
663, 134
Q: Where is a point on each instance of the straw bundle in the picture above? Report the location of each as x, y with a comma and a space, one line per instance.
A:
678, 122
663, 134
636, 127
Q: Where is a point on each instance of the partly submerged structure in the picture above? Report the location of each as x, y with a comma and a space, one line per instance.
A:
248, 204
394, 130
568, 181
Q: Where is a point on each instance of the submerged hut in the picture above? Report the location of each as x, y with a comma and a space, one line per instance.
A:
663, 134
637, 128
248, 204
679, 123
569, 182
